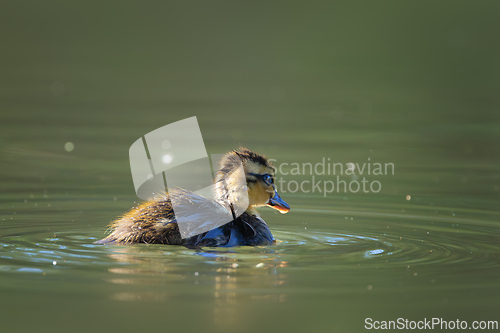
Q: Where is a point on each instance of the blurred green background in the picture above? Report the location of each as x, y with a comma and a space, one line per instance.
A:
414, 83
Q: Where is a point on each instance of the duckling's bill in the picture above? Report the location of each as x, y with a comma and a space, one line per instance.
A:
279, 204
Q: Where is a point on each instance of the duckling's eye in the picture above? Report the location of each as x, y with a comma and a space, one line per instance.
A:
268, 179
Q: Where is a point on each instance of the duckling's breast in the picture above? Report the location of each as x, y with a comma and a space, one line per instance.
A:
246, 230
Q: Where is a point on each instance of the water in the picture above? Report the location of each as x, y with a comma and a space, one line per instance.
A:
295, 84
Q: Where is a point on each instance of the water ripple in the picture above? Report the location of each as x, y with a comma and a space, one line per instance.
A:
469, 244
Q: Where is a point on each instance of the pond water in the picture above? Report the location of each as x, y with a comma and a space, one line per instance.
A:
423, 244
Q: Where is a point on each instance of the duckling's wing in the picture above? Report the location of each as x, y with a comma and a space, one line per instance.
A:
197, 215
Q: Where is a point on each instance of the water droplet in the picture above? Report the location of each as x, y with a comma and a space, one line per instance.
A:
69, 146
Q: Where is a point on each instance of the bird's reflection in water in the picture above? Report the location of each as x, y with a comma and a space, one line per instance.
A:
234, 277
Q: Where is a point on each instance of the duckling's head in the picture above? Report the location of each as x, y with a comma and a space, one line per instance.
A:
259, 174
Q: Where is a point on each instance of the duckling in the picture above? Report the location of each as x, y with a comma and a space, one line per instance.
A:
154, 222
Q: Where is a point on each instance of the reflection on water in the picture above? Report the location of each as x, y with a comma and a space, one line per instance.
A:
228, 276
169, 268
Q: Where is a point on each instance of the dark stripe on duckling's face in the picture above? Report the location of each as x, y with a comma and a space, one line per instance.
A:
266, 178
